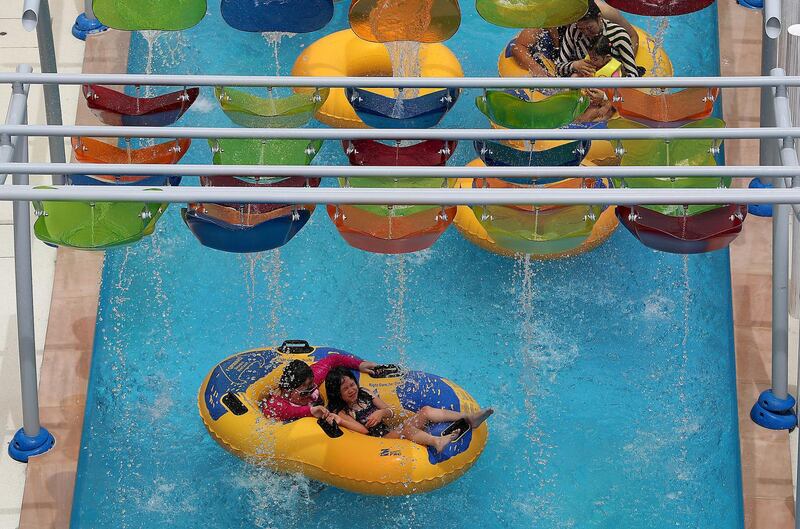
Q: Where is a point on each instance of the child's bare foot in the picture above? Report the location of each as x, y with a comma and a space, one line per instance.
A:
441, 442
476, 419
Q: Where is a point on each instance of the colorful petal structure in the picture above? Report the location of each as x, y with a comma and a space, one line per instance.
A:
695, 152
96, 225
90, 150
538, 230
116, 108
101, 225
137, 15
510, 111
249, 110
704, 232
420, 112
425, 21
531, 13
497, 154
660, 8
247, 228
667, 108
678, 228
289, 16
394, 229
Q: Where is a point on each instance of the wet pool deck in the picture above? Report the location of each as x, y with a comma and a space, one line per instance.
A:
766, 474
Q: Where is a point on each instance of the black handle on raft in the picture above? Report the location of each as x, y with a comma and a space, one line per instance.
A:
387, 371
233, 403
332, 430
295, 346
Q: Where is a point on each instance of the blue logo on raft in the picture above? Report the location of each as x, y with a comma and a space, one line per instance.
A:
234, 375
423, 389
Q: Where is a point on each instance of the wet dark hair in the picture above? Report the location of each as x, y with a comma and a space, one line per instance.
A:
294, 375
593, 12
333, 388
601, 46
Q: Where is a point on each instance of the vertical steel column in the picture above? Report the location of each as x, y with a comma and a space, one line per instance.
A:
31, 439
771, 29
24, 283
52, 95
780, 300
88, 10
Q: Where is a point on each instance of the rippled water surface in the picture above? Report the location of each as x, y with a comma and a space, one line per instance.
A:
612, 373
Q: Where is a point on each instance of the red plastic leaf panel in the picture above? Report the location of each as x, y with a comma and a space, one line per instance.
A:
660, 8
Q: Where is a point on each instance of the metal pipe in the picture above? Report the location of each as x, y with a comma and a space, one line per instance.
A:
780, 300
772, 18
769, 60
400, 196
52, 95
339, 171
30, 14
88, 10
24, 289
403, 82
402, 134
17, 109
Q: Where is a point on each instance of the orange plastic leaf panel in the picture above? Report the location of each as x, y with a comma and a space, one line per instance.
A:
358, 219
91, 150
414, 243
425, 21
248, 215
684, 105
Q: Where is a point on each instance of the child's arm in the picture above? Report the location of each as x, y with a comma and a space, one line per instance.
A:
351, 424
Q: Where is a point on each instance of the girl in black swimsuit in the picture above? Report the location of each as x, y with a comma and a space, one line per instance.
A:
361, 412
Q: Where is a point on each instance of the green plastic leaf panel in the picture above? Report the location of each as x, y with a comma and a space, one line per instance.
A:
531, 13
384, 183
249, 110
97, 225
511, 112
257, 151
137, 15
538, 232
671, 153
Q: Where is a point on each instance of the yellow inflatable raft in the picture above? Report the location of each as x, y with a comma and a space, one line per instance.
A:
343, 54
229, 406
654, 59
471, 229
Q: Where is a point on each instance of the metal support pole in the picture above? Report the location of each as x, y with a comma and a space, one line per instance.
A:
52, 95
32, 439
17, 108
87, 24
780, 301
769, 60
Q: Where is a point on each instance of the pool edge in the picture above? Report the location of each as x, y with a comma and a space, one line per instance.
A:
50, 478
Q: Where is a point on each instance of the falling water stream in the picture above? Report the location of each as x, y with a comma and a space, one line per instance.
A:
396, 279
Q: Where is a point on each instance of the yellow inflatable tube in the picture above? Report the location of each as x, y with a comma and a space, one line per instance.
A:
654, 59
343, 54
471, 229
229, 400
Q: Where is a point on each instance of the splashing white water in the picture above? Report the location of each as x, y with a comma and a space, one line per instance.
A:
396, 279
273, 39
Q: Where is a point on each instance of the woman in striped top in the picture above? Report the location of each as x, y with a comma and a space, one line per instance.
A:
578, 40
534, 47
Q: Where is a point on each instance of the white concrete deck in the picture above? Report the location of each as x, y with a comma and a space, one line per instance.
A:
17, 46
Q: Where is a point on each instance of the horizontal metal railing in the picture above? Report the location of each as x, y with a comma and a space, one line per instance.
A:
403, 134
402, 196
400, 82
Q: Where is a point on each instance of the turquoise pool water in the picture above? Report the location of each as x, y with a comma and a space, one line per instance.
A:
612, 373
